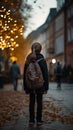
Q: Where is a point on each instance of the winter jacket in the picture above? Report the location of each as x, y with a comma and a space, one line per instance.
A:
15, 71
44, 69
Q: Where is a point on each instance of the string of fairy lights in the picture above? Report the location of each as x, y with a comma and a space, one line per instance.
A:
10, 29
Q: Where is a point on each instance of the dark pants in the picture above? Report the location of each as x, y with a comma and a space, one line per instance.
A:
1, 81
15, 83
38, 98
58, 80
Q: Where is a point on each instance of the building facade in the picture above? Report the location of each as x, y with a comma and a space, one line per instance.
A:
56, 35
69, 34
60, 4
59, 42
59, 37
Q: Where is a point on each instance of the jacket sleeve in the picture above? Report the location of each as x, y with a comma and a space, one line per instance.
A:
44, 69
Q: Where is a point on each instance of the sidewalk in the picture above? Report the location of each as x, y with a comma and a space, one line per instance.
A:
57, 105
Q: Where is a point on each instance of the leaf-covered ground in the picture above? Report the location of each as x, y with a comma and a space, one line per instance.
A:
13, 104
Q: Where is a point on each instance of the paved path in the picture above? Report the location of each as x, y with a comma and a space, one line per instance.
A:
60, 97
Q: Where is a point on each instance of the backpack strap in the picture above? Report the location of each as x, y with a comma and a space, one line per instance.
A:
40, 59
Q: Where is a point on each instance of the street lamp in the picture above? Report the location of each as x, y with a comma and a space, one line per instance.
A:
53, 61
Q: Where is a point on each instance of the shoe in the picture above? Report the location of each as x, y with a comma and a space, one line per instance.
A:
31, 122
40, 122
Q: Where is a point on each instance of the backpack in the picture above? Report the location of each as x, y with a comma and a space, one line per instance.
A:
34, 77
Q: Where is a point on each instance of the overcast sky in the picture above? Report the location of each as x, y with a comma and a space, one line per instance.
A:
39, 13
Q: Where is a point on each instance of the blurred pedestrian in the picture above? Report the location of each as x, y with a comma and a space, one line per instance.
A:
64, 73
51, 71
1, 77
36, 94
69, 74
15, 74
58, 74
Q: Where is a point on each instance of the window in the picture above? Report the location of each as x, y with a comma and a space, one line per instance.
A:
70, 23
59, 23
59, 44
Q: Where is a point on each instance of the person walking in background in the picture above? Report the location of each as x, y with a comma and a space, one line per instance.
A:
69, 74
58, 74
1, 77
64, 73
15, 74
36, 94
